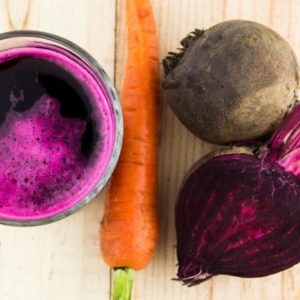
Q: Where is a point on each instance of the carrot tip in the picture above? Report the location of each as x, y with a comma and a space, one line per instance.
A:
122, 285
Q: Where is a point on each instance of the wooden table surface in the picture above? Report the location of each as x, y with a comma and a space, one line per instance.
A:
61, 261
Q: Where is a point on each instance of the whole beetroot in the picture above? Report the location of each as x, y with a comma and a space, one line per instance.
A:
232, 82
238, 210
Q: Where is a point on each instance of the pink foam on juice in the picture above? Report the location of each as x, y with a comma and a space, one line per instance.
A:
43, 168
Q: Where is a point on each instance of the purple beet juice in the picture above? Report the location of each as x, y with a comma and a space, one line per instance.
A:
57, 132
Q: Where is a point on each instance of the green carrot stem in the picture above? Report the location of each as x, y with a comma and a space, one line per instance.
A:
122, 283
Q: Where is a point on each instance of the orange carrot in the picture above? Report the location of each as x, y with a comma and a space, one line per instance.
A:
129, 227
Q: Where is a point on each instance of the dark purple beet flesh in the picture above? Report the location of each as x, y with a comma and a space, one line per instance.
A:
239, 214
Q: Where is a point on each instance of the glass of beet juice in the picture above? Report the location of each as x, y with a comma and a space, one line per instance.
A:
60, 128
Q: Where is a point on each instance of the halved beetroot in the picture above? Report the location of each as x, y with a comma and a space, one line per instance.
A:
238, 210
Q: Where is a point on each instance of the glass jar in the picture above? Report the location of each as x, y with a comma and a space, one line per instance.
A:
61, 128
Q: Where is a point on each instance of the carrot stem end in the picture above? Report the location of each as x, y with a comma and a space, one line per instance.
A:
122, 283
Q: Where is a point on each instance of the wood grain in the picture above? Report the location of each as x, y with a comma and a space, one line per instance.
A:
61, 261
179, 149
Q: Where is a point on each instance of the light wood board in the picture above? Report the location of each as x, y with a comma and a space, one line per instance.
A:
61, 261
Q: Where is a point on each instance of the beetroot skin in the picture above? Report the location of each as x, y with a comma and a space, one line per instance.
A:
234, 81
238, 210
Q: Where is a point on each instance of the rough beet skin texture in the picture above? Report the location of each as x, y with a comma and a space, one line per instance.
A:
232, 82
238, 210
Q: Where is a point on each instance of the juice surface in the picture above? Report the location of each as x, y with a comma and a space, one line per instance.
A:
56, 131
